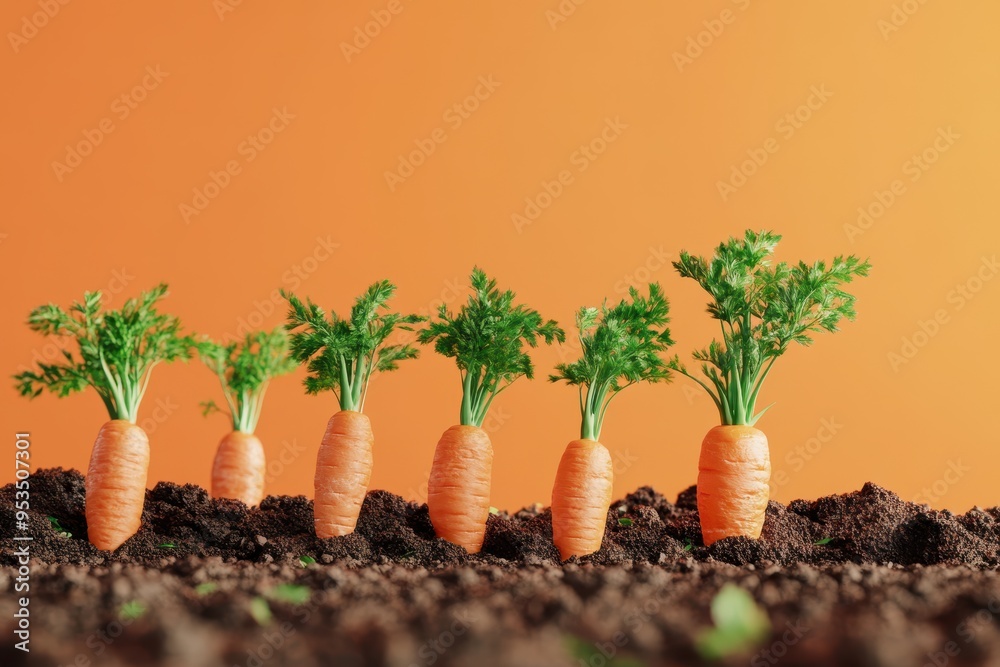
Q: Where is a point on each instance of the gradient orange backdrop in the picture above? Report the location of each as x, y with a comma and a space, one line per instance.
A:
890, 107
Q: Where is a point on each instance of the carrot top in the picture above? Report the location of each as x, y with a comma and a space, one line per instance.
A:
486, 337
621, 346
762, 308
342, 353
117, 349
245, 368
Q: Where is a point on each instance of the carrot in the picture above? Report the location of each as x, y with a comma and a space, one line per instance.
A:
117, 351
116, 484
343, 472
580, 498
620, 346
244, 370
341, 354
762, 309
239, 468
486, 338
733, 473
458, 491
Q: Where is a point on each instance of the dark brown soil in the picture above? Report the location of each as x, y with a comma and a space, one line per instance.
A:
865, 578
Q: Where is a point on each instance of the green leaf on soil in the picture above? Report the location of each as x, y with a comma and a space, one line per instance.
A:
306, 561
740, 624
131, 611
625, 521
206, 588
166, 545
688, 544
54, 522
260, 610
291, 593
823, 542
494, 510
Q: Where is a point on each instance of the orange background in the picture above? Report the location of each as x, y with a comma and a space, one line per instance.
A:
894, 80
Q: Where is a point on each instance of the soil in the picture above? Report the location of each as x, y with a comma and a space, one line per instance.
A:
857, 579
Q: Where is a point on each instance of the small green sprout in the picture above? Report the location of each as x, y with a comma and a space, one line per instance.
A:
166, 545
740, 624
494, 511
206, 588
291, 593
306, 561
688, 544
131, 611
824, 541
54, 522
260, 610
625, 521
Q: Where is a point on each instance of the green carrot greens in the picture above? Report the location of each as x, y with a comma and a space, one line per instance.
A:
486, 337
621, 345
342, 353
117, 349
244, 369
762, 308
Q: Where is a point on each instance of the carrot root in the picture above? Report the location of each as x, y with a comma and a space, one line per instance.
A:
343, 472
458, 491
116, 484
581, 497
733, 475
239, 468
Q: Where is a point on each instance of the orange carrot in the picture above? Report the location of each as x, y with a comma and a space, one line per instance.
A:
580, 498
487, 339
238, 469
620, 345
762, 308
341, 354
244, 368
458, 491
116, 353
343, 472
116, 484
733, 473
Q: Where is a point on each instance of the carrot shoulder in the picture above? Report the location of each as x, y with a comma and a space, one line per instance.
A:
458, 491
733, 474
580, 498
116, 484
343, 472
239, 468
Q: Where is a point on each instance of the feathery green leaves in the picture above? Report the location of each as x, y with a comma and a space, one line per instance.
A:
762, 308
342, 353
487, 337
117, 349
621, 345
244, 369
